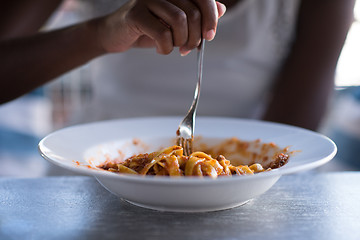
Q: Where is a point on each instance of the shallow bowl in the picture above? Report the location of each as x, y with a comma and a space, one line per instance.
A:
81, 148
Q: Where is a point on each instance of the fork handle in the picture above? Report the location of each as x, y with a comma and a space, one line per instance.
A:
200, 58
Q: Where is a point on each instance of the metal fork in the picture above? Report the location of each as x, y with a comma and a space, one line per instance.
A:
185, 132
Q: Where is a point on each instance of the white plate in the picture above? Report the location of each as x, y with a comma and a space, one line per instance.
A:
73, 148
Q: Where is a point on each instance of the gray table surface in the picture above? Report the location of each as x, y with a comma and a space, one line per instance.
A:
304, 206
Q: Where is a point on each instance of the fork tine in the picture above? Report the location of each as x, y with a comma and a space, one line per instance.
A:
186, 148
182, 144
186, 145
189, 146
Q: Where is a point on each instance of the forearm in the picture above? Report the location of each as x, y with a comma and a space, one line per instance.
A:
28, 62
25, 17
307, 77
32, 61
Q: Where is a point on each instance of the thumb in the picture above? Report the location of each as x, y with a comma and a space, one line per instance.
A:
221, 9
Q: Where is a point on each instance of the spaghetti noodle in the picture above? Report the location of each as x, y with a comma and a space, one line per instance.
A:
172, 162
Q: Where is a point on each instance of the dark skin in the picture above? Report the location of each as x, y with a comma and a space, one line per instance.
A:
30, 21
306, 79
304, 82
29, 58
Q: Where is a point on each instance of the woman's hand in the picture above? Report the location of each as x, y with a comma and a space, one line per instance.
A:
163, 24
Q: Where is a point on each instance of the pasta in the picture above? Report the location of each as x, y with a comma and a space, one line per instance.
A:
172, 162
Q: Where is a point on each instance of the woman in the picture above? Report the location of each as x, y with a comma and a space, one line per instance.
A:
273, 60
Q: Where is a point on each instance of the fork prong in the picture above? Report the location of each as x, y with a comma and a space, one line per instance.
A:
181, 142
191, 146
187, 147
186, 144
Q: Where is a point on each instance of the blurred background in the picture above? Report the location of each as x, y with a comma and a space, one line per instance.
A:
24, 121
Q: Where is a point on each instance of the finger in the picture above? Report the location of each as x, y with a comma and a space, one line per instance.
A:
144, 42
209, 17
150, 26
221, 9
193, 16
174, 17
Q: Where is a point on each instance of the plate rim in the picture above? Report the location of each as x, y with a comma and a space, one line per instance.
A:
98, 173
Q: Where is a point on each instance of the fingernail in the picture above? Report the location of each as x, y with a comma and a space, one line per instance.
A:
210, 35
223, 9
184, 53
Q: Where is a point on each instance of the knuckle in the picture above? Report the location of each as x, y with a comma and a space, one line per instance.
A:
194, 15
180, 17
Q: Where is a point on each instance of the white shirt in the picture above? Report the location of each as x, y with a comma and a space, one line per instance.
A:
239, 68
